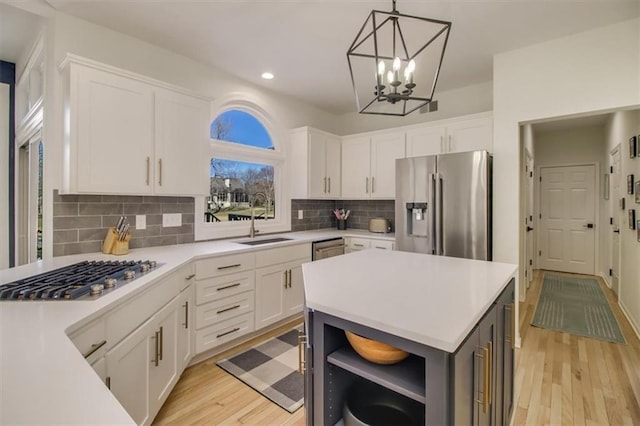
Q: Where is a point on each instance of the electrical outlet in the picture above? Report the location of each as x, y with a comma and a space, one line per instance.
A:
171, 220
141, 221
300, 215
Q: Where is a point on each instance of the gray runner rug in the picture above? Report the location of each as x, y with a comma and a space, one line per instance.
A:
271, 368
576, 306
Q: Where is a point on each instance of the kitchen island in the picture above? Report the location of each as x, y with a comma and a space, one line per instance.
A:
453, 316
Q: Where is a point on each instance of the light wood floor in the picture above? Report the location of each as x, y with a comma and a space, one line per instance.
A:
560, 379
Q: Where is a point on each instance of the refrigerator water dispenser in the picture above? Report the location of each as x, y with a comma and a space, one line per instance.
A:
417, 223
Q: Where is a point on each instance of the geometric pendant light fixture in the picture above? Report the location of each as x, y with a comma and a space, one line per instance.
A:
395, 60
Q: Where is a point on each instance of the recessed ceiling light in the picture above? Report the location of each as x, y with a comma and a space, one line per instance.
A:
267, 75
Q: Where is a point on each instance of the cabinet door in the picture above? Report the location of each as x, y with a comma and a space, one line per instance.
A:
163, 377
487, 330
181, 165
334, 166
186, 307
317, 165
128, 366
470, 135
466, 369
294, 293
385, 149
270, 282
425, 141
112, 119
505, 355
356, 176
381, 244
357, 244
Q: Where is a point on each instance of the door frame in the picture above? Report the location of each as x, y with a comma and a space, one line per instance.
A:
615, 211
596, 220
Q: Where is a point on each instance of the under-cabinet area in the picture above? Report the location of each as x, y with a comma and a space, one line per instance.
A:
471, 386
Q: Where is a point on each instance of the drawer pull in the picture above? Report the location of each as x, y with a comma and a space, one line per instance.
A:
228, 286
358, 245
228, 332
221, 268
228, 309
107, 382
302, 361
94, 348
190, 277
186, 314
156, 360
161, 344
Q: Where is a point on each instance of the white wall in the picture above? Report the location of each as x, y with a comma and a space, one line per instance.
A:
591, 71
452, 103
583, 145
619, 129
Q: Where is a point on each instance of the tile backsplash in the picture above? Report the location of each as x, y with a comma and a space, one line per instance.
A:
80, 222
318, 214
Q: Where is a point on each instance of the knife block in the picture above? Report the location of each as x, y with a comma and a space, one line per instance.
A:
111, 244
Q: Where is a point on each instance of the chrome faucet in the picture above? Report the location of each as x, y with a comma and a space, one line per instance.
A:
252, 227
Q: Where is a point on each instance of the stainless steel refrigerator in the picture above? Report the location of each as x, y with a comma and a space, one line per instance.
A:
443, 205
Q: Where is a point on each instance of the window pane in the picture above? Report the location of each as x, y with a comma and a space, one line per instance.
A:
235, 186
240, 127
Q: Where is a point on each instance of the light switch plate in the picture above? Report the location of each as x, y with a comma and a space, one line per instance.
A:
171, 220
300, 214
141, 221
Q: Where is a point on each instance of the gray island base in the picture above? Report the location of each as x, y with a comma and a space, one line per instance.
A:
466, 380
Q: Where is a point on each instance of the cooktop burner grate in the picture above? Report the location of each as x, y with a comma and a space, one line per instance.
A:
88, 279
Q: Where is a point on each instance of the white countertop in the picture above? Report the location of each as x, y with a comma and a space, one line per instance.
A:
432, 300
43, 377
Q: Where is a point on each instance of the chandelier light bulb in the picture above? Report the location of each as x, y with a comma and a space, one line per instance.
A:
396, 64
389, 77
412, 66
381, 68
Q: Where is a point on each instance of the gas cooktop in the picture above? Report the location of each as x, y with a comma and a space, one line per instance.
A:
84, 280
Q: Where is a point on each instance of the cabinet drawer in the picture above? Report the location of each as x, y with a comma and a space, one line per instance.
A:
216, 266
283, 254
216, 288
224, 331
127, 318
91, 340
359, 243
223, 309
382, 244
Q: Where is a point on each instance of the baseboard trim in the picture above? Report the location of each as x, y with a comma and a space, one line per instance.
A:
628, 317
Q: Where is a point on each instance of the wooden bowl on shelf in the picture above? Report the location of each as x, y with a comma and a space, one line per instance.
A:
374, 351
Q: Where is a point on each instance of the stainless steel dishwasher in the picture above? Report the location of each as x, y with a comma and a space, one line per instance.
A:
327, 248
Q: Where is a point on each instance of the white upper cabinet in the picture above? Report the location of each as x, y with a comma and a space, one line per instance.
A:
315, 164
456, 135
181, 125
368, 165
125, 134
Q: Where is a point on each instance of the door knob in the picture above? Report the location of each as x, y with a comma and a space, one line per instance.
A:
617, 231
588, 225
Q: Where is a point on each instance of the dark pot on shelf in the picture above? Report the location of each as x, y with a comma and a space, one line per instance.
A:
341, 224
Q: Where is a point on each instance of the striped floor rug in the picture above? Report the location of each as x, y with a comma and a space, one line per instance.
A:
576, 306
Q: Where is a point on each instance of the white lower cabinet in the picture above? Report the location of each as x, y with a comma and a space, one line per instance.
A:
279, 286
185, 326
357, 244
142, 369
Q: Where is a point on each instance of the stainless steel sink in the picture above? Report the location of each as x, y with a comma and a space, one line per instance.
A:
263, 241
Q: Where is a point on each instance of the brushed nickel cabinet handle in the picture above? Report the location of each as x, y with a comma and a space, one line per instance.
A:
228, 309
227, 286
160, 172
94, 348
148, 170
325, 185
373, 184
366, 185
289, 278
161, 344
329, 180
220, 268
490, 375
186, 314
358, 245
228, 332
156, 359
190, 277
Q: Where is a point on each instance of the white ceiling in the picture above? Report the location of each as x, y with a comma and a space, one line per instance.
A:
18, 31
304, 42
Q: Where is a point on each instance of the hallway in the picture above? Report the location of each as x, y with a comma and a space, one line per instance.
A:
563, 379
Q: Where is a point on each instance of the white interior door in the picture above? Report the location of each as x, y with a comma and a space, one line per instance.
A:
529, 217
567, 233
614, 203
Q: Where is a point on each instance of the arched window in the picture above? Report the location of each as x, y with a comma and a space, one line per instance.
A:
246, 174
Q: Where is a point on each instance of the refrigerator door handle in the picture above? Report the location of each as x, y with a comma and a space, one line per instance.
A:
433, 217
439, 215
